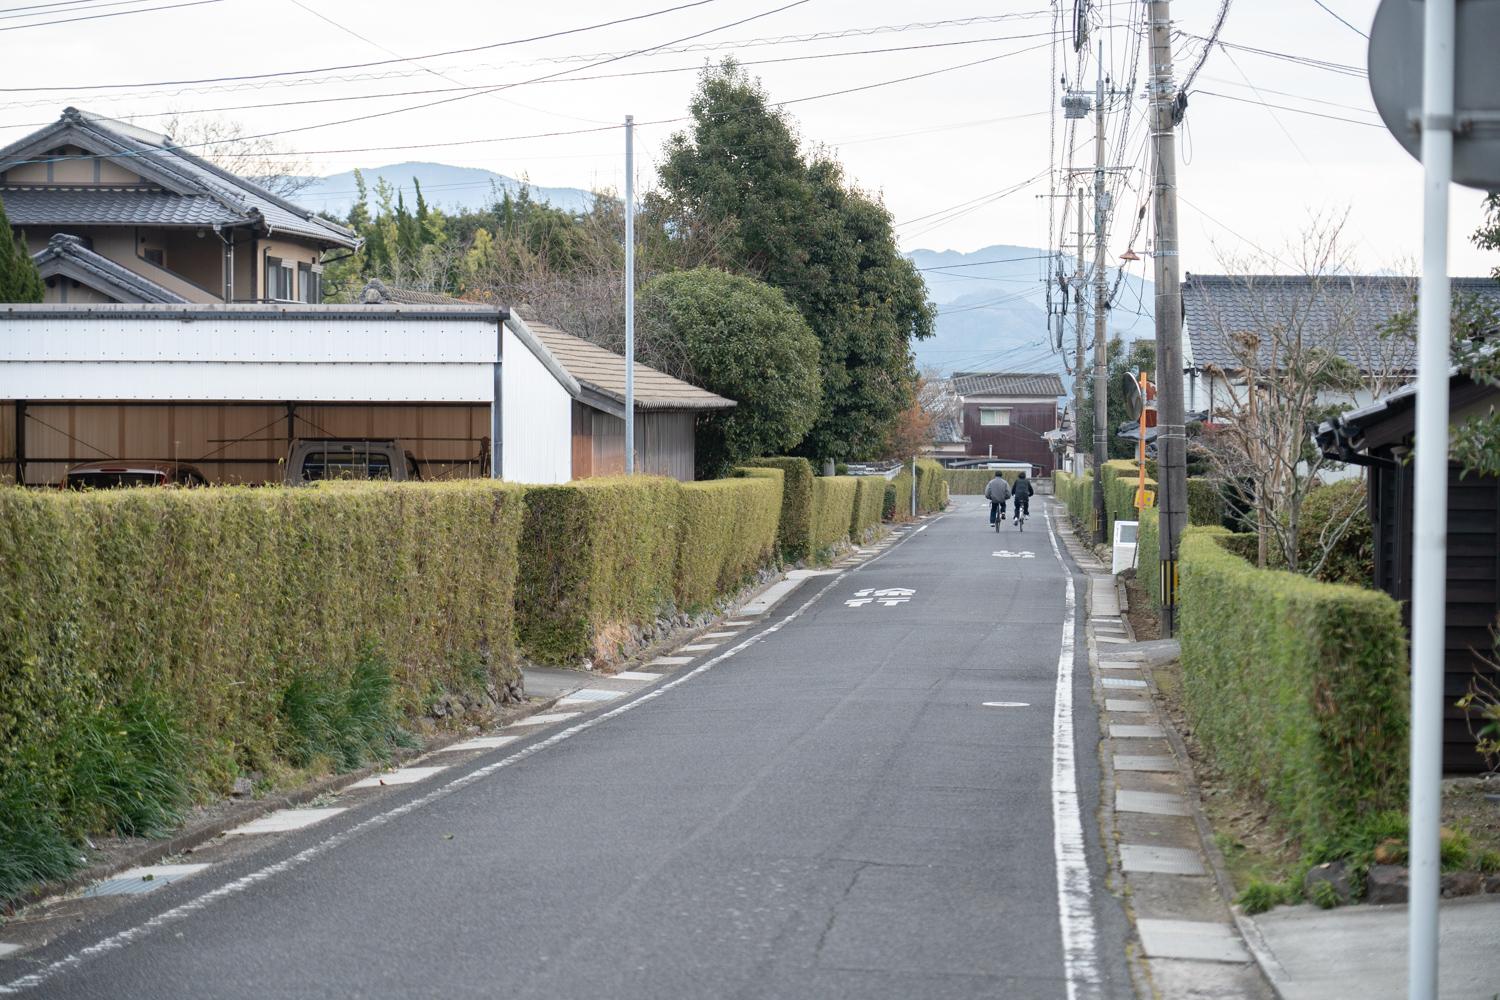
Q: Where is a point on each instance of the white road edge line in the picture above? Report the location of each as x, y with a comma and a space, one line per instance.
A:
119, 940
1075, 908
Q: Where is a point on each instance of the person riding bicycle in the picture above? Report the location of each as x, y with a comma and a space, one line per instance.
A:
1022, 493
997, 492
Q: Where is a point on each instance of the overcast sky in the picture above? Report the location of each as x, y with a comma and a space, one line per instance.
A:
1250, 176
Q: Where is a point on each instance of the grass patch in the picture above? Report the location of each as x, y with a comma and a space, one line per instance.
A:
348, 721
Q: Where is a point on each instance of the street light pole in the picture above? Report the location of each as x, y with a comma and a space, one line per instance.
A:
629, 295
1101, 345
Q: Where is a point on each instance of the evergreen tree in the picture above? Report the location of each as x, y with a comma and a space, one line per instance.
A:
797, 224
19, 280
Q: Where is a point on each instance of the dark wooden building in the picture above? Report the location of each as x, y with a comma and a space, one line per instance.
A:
1380, 437
1006, 415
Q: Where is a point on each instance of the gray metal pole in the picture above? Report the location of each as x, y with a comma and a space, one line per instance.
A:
1101, 347
1430, 534
1171, 436
914, 486
629, 295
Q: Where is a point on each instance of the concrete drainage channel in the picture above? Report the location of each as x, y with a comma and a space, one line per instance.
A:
1189, 943
565, 696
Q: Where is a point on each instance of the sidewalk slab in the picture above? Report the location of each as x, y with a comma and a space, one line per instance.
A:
1162, 860
1360, 951
1153, 803
1193, 939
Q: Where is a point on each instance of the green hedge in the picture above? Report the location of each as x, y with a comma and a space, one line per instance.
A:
1077, 495
796, 504
597, 556
869, 505
1205, 505
898, 496
729, 529
932, 487
832, 512
1297, 688
159, 643
971, 482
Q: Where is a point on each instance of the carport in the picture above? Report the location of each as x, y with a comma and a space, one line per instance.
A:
228, 387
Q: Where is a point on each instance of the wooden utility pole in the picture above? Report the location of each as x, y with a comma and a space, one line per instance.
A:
1101, 348
1171, 436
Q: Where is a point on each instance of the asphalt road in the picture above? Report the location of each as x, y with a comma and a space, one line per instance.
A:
830, 811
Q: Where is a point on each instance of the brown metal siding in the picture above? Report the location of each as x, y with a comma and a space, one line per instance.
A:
1019, 442
663, 445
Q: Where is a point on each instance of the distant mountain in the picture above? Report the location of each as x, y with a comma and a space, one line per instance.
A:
992, 311
450, 188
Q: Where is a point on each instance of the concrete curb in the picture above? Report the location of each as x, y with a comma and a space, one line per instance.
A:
238, 814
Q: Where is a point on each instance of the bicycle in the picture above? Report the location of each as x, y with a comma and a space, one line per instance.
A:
999, 518
1021, 516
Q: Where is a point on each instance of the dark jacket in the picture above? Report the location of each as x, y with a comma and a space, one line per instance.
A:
1022, 490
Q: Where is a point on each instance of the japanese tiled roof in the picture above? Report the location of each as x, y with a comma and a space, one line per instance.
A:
67, 256
1345, 314
1007, 384
604, 372
179, 188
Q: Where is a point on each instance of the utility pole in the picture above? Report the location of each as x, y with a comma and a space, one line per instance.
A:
1171, 436
629, 295
1078, 310
1101, 348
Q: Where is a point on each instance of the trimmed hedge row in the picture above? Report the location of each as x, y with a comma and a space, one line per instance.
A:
159, 643
971, 482
1077, 494
597, 555
728, 533
1297, 688
1205, 505
932, 486
869, 504
832, 512
796, 504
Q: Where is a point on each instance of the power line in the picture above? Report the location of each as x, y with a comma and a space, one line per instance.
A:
118, 13
1340, 20
981, 263
1322, 64
386, 62
1283, 107
72, 9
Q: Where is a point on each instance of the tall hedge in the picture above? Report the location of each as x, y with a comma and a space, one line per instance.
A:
1297, 688
972, 482
152, 635
1205, 505
596, 556
869, 503
729, 530
832, 512
1077, 494
796, 504
932, 488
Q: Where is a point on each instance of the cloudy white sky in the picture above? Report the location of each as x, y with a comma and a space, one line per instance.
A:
1250, 176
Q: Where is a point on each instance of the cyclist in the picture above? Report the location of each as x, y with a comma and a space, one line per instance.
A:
1022, 493
997, 492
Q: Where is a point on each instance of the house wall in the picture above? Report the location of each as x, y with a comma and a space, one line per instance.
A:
664, 443
288, 250
83, 172
122, 244
60, 288
537, 415
1021, 441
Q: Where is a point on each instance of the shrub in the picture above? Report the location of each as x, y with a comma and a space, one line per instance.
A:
729, 529
898, 496
971, 482
1352, 558
1205, 504
932, 487
151, 636
1297, 688
596, 556
869, 507
1077, 494
740, 338
832, 512
796, 504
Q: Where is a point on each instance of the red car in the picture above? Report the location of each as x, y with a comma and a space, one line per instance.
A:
112, 475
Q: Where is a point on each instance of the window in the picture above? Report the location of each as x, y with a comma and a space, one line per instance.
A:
309, 284
155, 256
994, 417
280, 280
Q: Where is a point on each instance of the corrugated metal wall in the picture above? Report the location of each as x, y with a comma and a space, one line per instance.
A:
538, 419
234, 443
664, 444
